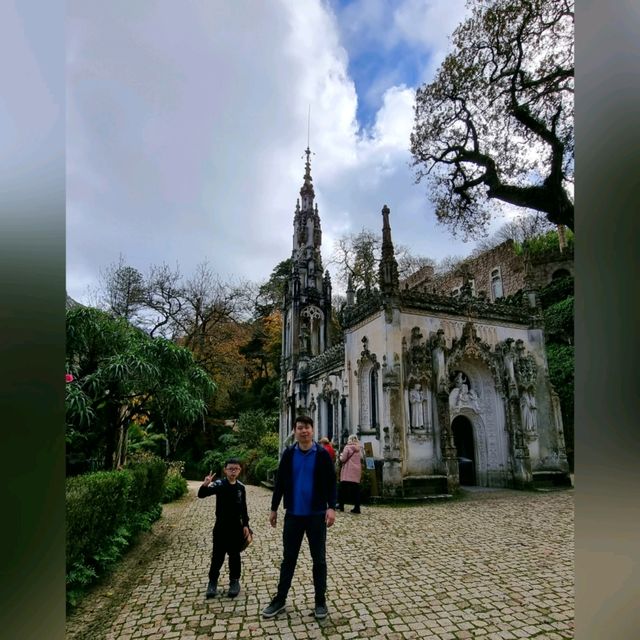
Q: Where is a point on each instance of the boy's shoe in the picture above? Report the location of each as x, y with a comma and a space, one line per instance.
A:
212, 590
339, 507
273, 609
234, 588
355, 511
320, 612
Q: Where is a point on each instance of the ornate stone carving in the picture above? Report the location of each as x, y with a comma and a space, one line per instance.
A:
462, 396
366, 394
416, 359
525, 366
332, 358
508, 357
529, 409
471, 347
438, 347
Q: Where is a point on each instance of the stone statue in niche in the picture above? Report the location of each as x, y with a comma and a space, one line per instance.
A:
416, 407
529, 409
305, 338
508, 362
462, 395
439, 344
387, 440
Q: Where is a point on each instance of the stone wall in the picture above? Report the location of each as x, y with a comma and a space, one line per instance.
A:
502, 257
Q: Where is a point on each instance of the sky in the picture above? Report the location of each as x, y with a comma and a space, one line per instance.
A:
187, 124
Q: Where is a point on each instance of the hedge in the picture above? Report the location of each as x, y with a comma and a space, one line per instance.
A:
104, 512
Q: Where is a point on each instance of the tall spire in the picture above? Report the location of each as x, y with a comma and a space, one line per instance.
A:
388, 272
306, 192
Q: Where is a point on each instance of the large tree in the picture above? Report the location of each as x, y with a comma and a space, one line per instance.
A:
496, 124
119, 372
357, 256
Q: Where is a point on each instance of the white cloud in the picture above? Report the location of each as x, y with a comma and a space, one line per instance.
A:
186, 129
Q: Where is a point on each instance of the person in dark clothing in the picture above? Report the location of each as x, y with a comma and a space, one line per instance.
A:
232, 525
306, 479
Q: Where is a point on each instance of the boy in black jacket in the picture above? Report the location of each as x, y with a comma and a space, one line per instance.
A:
232, 525
306, 480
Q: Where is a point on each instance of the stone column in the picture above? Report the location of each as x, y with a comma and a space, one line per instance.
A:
393, 434
522, 477
447, 447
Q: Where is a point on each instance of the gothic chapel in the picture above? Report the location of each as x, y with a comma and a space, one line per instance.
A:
447, 390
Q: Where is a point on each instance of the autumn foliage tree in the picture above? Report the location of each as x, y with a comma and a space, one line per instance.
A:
496, 124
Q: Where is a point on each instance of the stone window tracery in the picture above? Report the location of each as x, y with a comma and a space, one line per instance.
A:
313, 339
367, 376
496, 284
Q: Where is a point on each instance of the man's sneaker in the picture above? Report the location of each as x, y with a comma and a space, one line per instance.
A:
273, 609
234, 588
212, 590
355, 511
320, 612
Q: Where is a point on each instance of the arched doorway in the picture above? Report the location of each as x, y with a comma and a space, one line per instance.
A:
463, 440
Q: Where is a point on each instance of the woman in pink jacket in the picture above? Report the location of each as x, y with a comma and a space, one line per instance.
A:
350, 474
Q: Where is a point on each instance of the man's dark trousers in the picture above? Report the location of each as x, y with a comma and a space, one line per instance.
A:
225, 541
293, 531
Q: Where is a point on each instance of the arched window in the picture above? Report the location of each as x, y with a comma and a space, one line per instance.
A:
330, 410
496, 284
367, 374
373, 396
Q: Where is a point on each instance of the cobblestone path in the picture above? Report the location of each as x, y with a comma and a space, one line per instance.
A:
497, 564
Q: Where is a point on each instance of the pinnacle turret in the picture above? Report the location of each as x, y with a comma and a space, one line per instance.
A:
388, 273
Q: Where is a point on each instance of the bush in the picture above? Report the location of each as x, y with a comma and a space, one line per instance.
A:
561, 360
175, 486
559, 321
255, 444
96, 505
263, 466
556, 291
104, 512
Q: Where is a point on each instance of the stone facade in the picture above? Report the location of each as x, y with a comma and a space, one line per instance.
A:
499, 272
444, 389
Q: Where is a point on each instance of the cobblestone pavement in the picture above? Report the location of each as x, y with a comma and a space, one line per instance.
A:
497, 564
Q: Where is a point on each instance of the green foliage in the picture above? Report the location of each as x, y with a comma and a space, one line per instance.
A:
252, 425
254, 442
270, 444
556, 291
545, 244
561, 360
120, 373
559, 321
263, 466
147, 477
144, 438
104, 513
271, 293
175, 486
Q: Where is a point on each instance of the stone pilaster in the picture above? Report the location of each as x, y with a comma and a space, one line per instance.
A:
447, 447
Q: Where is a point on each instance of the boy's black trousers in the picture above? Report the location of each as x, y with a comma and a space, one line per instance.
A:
226, 542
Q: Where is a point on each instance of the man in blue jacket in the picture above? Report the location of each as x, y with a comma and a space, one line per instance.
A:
306, 479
